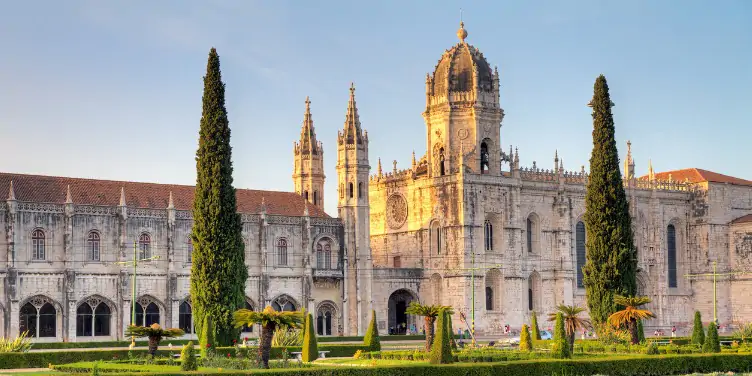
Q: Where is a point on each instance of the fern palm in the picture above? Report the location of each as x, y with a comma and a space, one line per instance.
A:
429, 313
572, 321
631, 314
155, 333
269, 319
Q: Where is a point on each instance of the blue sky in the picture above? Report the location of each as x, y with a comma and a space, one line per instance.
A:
112, 90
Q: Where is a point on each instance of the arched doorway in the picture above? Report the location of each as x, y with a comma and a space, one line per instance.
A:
326, 319
399, 320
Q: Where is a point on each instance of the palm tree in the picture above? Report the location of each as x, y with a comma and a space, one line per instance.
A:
269, 320
631, 314
155, 333
429, 313
572, 321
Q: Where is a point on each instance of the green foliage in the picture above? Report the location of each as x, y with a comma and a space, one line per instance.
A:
610, 336
534, 325
22, 343
286, 337
712, 344
372, 340
188, 358
450, 332
218, 271
652, 349
611, 263
285, 319
429, 313
95, 369
441, 350
152, 331
744, 332
561, 343
698, 334
526, 344
310, 347
640, 332
207, 337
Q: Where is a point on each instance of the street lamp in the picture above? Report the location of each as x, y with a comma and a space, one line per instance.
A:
715, 274
472, 289
135, 262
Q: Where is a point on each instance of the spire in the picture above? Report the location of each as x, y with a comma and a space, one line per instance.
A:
394, 170
11, 192
352, 132
170, 203
308, 141
263, 205
378, 169
414, 162
629, 162
305, 208
556, 160
122, 196
462, 33
68, 197
651, 173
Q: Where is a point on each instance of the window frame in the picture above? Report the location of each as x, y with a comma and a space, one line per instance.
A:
38, 245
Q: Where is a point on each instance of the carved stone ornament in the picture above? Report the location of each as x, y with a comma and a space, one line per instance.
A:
463, 133
396, 209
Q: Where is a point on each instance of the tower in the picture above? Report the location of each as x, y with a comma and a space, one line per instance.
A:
463, 112
308, 174
352, 175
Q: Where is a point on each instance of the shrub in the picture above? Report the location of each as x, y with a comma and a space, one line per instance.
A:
450, 333
561, 344
610, 336
310, 348
22, 343
372, 340
652, 349
207, 337
526, 344
534, 324
698, 335
285, 337
712, 343
744, 332
441, 351
188, 358
640, 332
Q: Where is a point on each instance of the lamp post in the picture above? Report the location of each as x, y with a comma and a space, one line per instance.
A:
472, 292
135, 262
715, 274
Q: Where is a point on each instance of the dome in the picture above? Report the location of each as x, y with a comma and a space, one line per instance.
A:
455, 70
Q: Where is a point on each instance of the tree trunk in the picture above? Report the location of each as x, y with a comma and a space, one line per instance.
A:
153, 345
429, 331
570, 340
265, 346
633, 332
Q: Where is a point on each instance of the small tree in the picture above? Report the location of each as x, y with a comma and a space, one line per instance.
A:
429, 313
572, 321
441, 351
640, 332
269, 320
561, 344
631, 314
188, 358
155, 333
712, 343
207, 337
450, 330
534, 324
698, 334
310, 346
372, 340
526, 343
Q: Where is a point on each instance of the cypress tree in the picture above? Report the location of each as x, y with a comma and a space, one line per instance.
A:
640, 332
310, 345
188, 358
534, 324
698, 334
526, 343
207, 337
611, 266
441, 351
712, 342
561, 343
450, 331
218, 271
372, 340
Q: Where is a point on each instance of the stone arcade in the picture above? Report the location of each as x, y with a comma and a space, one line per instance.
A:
463, 213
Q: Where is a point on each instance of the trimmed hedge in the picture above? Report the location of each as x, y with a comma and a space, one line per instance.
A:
614, 366
42, 359
103, 344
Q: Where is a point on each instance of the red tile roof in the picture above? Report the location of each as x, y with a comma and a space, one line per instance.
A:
52, 189
745, 219
697, 175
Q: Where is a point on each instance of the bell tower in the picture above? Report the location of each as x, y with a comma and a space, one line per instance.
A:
308, 173
352, 175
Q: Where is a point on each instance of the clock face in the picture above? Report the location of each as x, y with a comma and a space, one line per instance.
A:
396, 211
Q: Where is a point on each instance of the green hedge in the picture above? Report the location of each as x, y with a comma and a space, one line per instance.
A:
42, 359
104, 344
615, 366
276, 352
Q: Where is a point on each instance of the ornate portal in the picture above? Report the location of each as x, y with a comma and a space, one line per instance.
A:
396, 208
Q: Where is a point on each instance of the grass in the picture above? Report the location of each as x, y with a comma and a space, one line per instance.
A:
367, 362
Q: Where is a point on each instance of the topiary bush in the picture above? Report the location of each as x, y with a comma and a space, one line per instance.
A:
372, 340
526, 344
207, 337
712, 343
698, 334
188, 358
441, 351
561, 343
310, 347
450, 332
640, 332
534, 324
652, 349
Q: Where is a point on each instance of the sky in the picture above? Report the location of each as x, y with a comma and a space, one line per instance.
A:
112, 89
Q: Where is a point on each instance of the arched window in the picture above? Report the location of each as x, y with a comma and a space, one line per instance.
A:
532, 232
37, 245
671, 240
305, 195
283, 303
581, 254
324, 319
188, 250
529, 231
92, 246
282, 251
488, 235
442, 168
484, 164
148, 315
185, 318
341, 191
144, 246
315, 197
350, 191
360, 190
93, 318
40, 320
248, 328
435, 237
489, 299
534, 292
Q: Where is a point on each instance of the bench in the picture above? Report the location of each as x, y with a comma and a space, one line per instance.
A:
178, 355
726, 343
299, 355
662, 342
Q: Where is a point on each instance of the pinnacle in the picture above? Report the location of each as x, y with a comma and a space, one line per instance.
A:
68, 197
122, 196
11, 192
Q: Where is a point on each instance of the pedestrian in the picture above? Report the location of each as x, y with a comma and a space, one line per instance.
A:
673, 331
